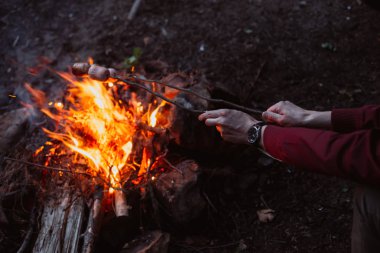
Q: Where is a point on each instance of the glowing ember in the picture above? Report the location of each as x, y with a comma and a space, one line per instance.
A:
98, 125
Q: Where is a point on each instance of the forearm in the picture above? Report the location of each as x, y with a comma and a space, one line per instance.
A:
321, 120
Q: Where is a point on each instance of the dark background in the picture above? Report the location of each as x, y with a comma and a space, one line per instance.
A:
317, 54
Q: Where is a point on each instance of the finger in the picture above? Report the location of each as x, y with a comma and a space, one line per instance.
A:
202, 116
276, 108
212, 114
271, 117
212, 122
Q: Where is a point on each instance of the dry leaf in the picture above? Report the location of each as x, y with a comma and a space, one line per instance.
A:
265, 215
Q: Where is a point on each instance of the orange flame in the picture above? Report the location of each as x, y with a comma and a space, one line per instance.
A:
96, 125
153, 116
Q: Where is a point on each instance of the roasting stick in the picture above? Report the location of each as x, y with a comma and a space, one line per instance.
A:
212, 100
157, 95
103, 74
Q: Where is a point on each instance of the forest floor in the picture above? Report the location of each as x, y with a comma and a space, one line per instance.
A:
317, 54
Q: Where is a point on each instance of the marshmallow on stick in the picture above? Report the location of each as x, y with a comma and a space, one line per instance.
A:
94, 71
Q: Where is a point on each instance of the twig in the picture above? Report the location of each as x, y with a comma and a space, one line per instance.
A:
3, 217
264, 202
209, 202
172, 166
135, 7
29, 235
211, 100
255, 80
146, 127
258, 74
47, 167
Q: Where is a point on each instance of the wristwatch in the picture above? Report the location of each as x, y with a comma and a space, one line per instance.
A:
254, 133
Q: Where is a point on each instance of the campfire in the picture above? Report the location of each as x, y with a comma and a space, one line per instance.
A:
106, 161
116, 141
107, 140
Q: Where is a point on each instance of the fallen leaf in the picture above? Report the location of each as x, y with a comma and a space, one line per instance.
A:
265, 215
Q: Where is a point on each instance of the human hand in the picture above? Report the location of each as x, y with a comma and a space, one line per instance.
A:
285, 113
232, 125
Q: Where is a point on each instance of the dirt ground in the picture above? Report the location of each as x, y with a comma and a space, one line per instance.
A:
318, 54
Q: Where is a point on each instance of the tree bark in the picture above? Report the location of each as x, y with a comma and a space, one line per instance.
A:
61, 224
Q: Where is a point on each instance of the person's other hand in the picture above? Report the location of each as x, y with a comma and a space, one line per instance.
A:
232, 125
285, 113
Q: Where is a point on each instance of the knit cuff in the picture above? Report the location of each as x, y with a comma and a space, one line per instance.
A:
345, 120
272, 141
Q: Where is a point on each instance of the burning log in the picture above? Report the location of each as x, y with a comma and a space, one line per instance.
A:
180, 194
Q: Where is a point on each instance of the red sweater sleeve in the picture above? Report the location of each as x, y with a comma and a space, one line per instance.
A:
353, 155
349, 120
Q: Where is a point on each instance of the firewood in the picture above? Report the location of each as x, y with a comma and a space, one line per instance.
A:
121, 206
180, 193
60, 224
74, 225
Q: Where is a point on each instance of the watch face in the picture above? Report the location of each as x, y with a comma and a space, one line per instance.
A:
253, 134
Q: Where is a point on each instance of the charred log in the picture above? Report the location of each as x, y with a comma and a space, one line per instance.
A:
179, 193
